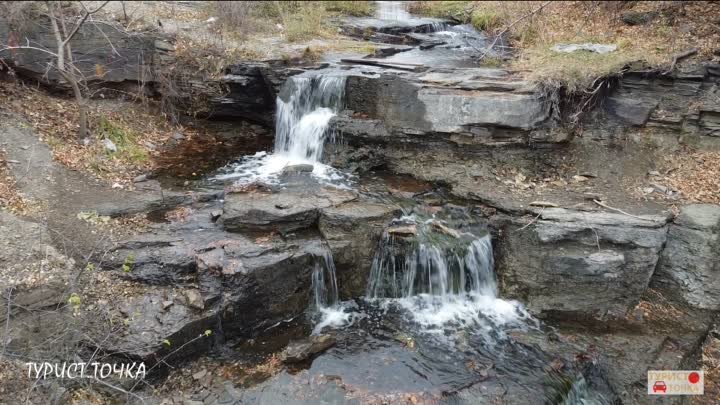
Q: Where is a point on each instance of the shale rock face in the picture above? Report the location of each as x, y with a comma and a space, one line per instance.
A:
689, 266
196, 276
584, 264
250, 91
683, 103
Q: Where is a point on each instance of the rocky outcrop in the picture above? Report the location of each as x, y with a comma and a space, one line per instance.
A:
689, 264
471, 102
682, 104
581, 264
250, 90
365, 27
197, 277
130, 57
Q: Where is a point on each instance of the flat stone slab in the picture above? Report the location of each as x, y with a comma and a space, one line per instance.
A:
283, 211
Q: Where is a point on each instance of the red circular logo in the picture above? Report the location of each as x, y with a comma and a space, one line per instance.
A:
694, 378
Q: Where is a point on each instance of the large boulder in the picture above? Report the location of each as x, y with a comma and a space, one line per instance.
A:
111, 55
182, 283
689, 265
581, 264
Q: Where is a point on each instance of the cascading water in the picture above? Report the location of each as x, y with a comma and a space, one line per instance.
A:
428, 269
443, 277
302, 125
330, 311
302, 121
324, 281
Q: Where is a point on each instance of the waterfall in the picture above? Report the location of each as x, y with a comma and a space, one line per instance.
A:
443, 279
302, 121
328, 310
304, 110
432, 269
324, 282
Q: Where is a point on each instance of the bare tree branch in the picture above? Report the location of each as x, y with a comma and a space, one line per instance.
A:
82, 20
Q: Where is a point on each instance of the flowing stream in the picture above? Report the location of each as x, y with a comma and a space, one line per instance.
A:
302, 126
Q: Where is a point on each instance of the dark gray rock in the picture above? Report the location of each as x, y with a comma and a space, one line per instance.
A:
153, 329
299, 351
208, 279
689, 265
682, 104
362, 27
638, 17
632, 112
581, 264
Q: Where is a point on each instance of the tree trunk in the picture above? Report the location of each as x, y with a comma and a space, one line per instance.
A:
62, 66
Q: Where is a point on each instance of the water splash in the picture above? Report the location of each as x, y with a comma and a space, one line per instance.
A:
302, 126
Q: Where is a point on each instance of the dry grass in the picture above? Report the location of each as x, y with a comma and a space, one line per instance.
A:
137, 133
677, 27
10, 199
696, 175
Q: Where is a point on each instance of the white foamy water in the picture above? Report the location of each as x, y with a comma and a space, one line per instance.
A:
324, 281
444, 283
301, 129
480, 314
340, 315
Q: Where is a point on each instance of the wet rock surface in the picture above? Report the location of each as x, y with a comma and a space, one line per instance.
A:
299, 351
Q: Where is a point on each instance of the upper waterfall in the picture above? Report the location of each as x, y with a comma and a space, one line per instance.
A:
305, 106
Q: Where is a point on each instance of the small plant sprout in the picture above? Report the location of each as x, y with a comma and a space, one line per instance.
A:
74, 300
129, 262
